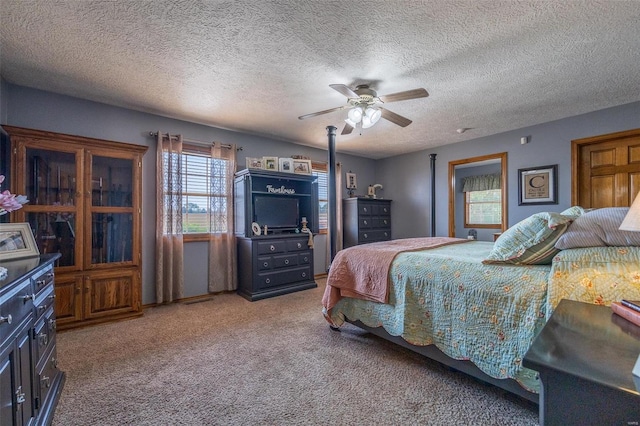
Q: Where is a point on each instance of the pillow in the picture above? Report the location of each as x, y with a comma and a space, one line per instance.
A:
599, 228
574, 211
530, 241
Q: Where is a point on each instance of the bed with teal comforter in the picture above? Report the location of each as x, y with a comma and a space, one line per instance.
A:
489, 314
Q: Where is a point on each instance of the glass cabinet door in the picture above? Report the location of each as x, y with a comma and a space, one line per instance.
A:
111, 209
51, 177
50, 184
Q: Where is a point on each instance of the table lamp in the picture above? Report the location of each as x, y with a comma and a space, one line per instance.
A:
631, 222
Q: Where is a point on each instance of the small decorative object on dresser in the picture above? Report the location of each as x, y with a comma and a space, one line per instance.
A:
254, 163
270, 163
302, 167
352, 184
286, 165
17, 241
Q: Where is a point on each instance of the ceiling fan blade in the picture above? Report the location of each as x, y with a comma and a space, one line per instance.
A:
395, 118
347, 129
345, 90
326, 111
404, 96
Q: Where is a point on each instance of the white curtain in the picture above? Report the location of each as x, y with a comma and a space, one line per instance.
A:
222, 241
169, 248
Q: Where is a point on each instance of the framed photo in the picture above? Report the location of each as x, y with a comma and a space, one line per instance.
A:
302, 167
16, 241
351, 181
286, 165
538, 185
254, 163
270, 163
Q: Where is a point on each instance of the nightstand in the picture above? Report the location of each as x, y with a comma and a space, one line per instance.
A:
585, 354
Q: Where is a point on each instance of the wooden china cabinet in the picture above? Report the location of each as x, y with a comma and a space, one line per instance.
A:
85, 203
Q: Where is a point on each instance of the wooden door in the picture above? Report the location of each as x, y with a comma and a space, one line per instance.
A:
606, 170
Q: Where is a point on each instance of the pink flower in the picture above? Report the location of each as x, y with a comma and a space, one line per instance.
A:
10, 202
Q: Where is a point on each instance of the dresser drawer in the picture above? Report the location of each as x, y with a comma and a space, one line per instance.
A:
268, 247
44, 300
275, 279
297, 245
265, 263
47, 374
285, 261
381, 222
365, 222
41, 281
16, 305
381, 209
304, 258
365, 209
44, 334
374, 235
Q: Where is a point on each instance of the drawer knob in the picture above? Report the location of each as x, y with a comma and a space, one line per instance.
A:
272, 248
40, 283
385, 221
8, 319
365, 236
52, 324
304, 275
268, 280
54, 362
306, 259
299, 245
286, 261
365, 209
366, 223
20, 395
28, 297
52, 297
265, 264
46, 382
43, 338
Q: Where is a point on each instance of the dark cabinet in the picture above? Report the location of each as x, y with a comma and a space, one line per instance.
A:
30, 381
366, 220
281, 261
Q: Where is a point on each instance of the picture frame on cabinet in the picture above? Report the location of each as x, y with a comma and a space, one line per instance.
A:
538, 185
17, 241
270, 163
286, 165
254, 163
302, 167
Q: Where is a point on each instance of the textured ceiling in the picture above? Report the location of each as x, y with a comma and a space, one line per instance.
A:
255, 66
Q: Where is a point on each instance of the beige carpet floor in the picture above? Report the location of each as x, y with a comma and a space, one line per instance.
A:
227, 361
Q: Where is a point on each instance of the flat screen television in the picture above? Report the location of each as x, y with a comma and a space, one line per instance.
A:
276, 212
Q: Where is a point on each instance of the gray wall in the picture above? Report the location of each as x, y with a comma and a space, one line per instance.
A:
25, 107
409, 180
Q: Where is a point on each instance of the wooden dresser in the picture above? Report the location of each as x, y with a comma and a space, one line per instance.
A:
366, 220
30, 381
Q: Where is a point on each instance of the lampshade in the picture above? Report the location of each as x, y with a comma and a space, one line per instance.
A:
631, 221
371, 117
355, 114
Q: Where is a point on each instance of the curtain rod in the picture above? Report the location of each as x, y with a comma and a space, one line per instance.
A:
224, 145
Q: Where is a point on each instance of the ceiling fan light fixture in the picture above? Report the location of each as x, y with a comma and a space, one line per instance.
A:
371, 117
355, 115
350, 122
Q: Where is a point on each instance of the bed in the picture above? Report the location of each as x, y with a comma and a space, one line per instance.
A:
477, 306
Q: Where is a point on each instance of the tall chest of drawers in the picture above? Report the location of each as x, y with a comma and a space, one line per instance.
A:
30, 381
366, 220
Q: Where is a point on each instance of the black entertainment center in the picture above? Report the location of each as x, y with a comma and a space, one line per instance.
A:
279, 261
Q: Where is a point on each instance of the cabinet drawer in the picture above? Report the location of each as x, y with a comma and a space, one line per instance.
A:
381, 222
15, 307
42, 280
47, 374
285, 261
375, 235
275, 279
267, 247
381, 209
264, 263
365, 208
44, 300
365, 222
297, 245
304, 258
44, 334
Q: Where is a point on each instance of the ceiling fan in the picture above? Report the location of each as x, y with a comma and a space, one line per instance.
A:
362, 104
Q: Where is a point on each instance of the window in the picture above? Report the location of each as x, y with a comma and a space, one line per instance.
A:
320, 170
483, 209
204, 208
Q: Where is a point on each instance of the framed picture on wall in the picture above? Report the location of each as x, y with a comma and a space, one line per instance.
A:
302, 167
286, 165
538, 185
